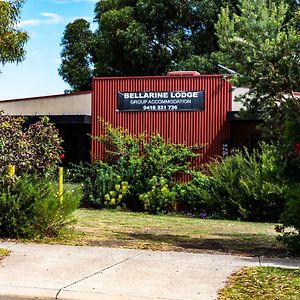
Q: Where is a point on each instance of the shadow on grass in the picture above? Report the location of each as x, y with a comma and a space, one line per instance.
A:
250, 245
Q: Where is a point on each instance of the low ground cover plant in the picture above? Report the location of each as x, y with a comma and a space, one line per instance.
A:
262, 283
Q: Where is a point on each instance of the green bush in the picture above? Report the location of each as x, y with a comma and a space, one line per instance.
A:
97, 179
114, 197
30, 207
246, 186
161, 198
291, 220
33, 149
135, 160
195, 195
101, 186
289, 142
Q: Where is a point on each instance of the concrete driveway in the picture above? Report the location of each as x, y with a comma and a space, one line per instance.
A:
69, 272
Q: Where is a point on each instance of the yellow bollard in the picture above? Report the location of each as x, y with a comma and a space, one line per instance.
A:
60, 183
11, 170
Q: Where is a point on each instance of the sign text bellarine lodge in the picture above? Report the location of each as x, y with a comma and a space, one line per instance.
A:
161, 101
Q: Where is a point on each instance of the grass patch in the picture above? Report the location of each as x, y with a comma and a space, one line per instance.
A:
170, 233
262, 283
3, 253
110, 228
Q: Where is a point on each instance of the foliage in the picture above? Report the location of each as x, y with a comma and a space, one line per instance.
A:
243, 186
14, 147
137, 159
138, 37
262, 283
12, 38
195, 194
246, 186
30, 207
114, 198
98, 179
165, 159
36, 148
291, 220
76, 63
205, 64
45, 145
130, 161
161, 196
290, 144
261, 42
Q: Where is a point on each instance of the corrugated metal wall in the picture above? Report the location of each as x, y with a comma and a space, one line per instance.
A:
208, 127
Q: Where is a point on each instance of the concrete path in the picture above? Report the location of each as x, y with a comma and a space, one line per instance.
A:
68, 272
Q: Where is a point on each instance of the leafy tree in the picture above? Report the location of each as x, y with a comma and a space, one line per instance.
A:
261, 43
150, 37
12, 39
143, 37
76, 67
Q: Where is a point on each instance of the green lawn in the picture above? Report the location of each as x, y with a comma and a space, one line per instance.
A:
177, 233
262, 284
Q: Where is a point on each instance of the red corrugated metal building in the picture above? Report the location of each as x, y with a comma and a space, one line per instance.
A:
207, 124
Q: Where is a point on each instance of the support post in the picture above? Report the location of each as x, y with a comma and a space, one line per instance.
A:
60, 183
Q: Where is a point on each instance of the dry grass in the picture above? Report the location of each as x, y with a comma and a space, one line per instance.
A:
262, 284
175, 233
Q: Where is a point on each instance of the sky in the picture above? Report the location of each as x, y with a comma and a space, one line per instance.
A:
45, 22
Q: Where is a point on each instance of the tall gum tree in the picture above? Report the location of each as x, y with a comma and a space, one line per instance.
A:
261, 42
12, 38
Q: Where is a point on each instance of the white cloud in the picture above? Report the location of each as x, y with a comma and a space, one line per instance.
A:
72, 1
51, 19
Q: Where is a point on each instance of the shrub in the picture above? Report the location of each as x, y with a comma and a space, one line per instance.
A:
289, 145
102, 186
246, 186
291, 220
114, 197
35, 149
30, 207
45, 145
161, 196
14, 147
164, 159
195, 195
133, 159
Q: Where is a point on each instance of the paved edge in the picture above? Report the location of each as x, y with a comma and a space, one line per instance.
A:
10, 292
